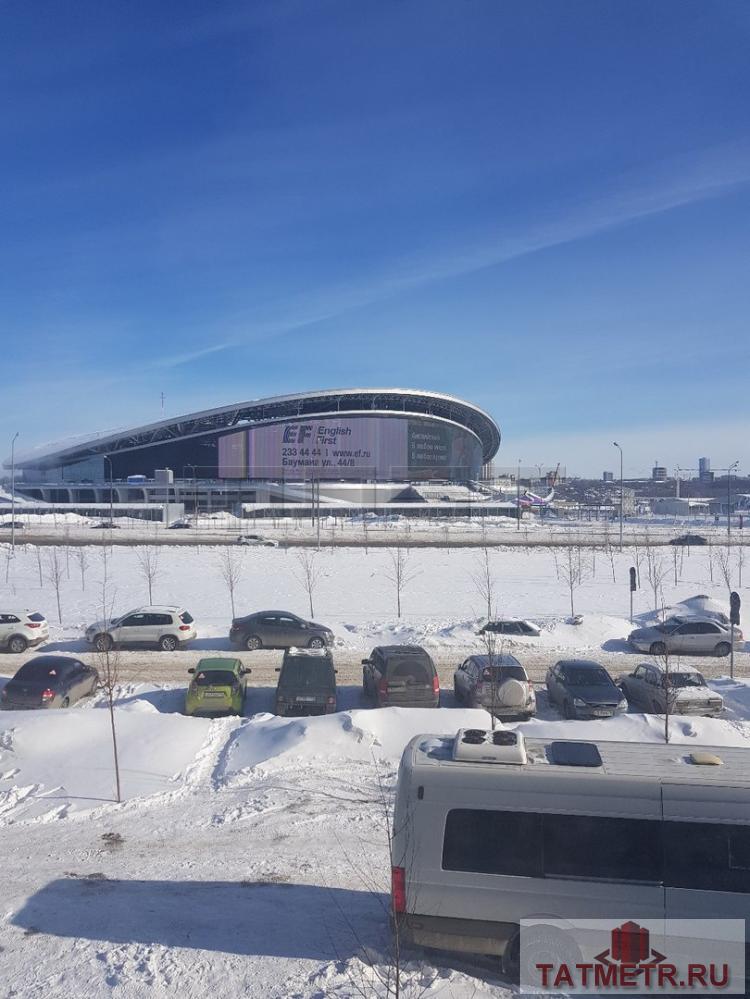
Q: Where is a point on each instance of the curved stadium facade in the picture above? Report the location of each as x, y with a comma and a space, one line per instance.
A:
336, 436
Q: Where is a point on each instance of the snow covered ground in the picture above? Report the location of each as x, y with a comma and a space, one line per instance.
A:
249, 855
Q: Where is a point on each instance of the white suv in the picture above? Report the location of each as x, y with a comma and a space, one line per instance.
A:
22, 629
167, 627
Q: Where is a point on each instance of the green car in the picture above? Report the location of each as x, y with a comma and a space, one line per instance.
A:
217, 688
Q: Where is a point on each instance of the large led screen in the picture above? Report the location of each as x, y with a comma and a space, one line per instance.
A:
351, 447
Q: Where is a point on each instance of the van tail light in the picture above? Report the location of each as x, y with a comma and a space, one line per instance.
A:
383, 687
33, 624
398, 889
47, 694
330, 700
435, 685
184, 627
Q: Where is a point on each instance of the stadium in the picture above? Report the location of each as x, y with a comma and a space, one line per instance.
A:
352, 447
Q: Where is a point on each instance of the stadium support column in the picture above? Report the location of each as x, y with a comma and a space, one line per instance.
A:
621, 489
111, 490
13, 493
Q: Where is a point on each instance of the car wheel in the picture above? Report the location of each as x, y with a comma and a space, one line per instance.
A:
168, 643
17, 644
103, 643
252, 643
656, 709
723, 649
456, 692
568, 711
316, 643
658, 649
65, 703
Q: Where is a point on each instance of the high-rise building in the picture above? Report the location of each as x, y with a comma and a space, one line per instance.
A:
704, 470
608, 476
659, 473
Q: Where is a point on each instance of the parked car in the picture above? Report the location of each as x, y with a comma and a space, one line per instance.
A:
686, 636
499, 684
104, 525
22, 629
217, 688
682, 690
689, 539
582, 688
16, 525
278, 630
167, 627
401, 675
511, 626
307, 683
257, 541
180, 525
49, 682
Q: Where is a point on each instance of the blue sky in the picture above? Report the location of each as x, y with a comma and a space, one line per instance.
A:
541, 207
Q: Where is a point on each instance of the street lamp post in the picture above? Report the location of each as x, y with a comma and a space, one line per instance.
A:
518, 497
13, 494
111, 503
621, 490
731, 468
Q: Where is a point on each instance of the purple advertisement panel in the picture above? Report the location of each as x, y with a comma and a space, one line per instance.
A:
351, 447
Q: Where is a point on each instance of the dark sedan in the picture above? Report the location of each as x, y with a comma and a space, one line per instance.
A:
582, 688
49, 682
278, 630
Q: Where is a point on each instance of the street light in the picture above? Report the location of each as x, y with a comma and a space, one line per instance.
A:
13, 494
518, 497
731, 468
621, 490
111, 512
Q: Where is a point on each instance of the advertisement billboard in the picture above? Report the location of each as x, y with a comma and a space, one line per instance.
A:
351, 447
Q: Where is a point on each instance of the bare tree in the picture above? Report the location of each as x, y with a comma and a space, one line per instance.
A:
400, 573
657, 571
483, 579
54, 571
573, 569
724, 565
38, 551
308, 573
148, 565
108, 662
82, 558
740, 563
230, 567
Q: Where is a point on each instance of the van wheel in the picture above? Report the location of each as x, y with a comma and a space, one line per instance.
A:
167, 643
540, 944
658, 649
17, 644
252, 643
722, 649
65, 703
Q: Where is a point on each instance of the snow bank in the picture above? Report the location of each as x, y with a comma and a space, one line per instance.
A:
354, 735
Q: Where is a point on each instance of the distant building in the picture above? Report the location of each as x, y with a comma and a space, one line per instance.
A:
659, 473
608, 476
704, 470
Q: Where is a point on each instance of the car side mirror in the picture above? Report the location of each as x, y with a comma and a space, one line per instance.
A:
335, 671
244, 672
191, 670
278, 669
365, 662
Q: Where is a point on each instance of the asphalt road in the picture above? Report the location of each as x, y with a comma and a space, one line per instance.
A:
152, 666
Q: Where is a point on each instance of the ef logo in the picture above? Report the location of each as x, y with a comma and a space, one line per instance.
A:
297, 433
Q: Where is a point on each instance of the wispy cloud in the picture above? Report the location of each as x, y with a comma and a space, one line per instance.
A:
176, 360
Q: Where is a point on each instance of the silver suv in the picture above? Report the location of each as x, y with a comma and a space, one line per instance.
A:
169, 628
682, 691
499, 684
22, 629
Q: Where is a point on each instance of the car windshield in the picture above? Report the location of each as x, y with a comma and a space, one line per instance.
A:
497, 674
578, 676
304, 672
685, 680
39, 672
215, 678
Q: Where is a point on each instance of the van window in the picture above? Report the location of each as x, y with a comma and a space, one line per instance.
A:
402, 667
530, 844
707, 855
493, 842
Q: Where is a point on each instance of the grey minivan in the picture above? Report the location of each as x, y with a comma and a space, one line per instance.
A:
401, 676
307, 683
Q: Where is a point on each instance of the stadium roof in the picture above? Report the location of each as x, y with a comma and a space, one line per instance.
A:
244, 414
